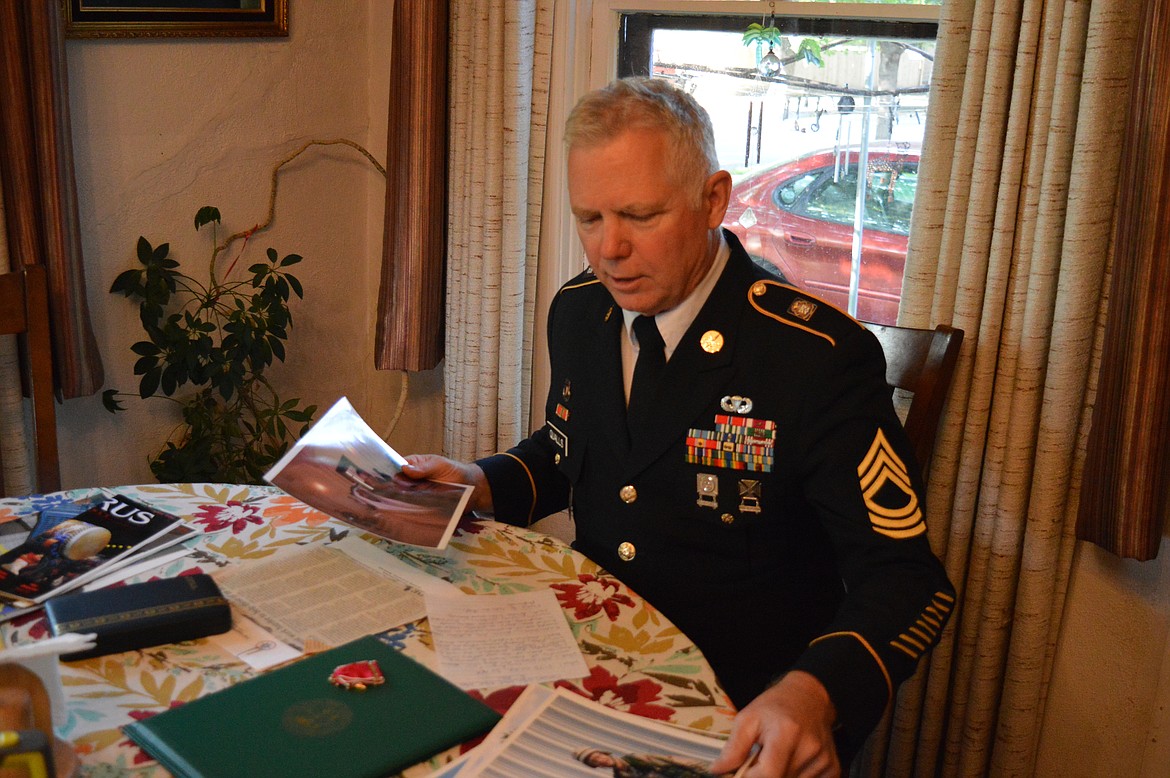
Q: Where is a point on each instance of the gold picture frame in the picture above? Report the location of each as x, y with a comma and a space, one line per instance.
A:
175, 19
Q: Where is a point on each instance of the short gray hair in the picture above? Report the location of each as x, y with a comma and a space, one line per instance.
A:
653, 104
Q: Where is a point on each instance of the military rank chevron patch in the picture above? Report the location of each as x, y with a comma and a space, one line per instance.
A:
889, 496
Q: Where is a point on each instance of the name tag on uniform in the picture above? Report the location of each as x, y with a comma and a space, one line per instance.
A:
559, 439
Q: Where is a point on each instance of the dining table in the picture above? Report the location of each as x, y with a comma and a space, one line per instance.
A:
637, 661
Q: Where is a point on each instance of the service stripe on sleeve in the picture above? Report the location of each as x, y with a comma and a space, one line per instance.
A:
924, 633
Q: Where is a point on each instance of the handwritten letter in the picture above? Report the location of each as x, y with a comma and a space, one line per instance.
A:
490, 641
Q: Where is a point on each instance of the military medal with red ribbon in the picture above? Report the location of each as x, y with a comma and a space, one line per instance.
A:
357, 675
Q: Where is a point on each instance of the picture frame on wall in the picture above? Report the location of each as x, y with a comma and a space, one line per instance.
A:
175, 18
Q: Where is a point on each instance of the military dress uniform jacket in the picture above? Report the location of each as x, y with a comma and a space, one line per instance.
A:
768, 504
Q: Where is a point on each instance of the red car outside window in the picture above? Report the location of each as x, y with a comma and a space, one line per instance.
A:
800, 217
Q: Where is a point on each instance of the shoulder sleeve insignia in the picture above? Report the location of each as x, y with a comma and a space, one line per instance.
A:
893, 506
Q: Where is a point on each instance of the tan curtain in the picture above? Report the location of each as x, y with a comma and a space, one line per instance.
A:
500, 67
36, 170
1126, 489
410, 295
1009, 242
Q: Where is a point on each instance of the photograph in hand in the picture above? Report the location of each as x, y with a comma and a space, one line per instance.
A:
341, 467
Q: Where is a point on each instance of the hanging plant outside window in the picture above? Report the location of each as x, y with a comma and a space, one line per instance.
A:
809, 49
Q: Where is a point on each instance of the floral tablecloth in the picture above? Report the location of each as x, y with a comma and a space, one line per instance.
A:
638, 661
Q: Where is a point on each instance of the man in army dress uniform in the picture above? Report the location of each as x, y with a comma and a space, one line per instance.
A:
759, 489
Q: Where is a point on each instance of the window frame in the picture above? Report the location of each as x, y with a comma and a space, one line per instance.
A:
636, 23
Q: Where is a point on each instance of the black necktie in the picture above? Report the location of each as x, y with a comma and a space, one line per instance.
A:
651, 358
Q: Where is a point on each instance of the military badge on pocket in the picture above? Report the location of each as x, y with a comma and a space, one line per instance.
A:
749, 496
708, 488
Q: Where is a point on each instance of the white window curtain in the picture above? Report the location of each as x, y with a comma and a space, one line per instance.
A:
1010, 243
500, 62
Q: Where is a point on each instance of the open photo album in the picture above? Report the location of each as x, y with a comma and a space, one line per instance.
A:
343, 468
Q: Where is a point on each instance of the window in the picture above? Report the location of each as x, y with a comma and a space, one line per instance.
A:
798, 111
599, 40
832, 197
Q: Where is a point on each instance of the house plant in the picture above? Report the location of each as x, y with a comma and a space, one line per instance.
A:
207, 348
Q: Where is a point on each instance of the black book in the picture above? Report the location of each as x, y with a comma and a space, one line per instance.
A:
123, 618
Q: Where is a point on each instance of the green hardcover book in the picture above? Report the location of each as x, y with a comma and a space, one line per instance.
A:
295, 722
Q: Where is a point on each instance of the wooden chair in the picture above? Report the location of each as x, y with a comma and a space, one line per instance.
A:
921, 362
24, 311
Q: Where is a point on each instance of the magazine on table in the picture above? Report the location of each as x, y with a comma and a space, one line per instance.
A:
70, 545
343, 468
557, 732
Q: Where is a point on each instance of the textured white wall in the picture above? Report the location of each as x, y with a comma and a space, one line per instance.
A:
1109, 699
163, 127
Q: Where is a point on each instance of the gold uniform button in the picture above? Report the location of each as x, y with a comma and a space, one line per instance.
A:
628, 494
727, 518
758, 288
626, 551
556, 459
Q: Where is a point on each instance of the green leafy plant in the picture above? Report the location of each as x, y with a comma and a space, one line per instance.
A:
217, 339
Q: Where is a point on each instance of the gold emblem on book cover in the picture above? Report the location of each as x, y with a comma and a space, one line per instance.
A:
316, 718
